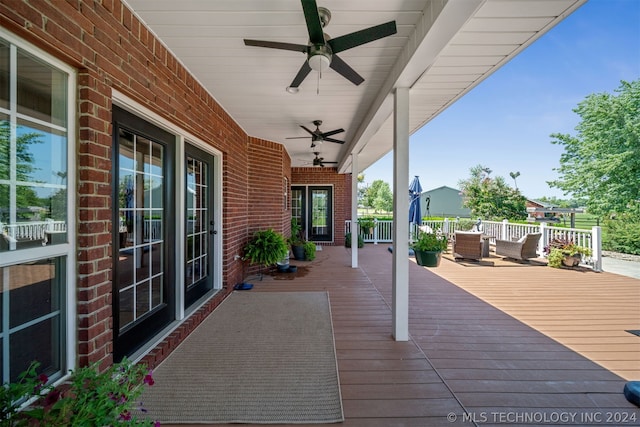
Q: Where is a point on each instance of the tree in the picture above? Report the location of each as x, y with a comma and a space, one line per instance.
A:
513, 176
24, 167
602, 162
362, 190
379, 196
491, 198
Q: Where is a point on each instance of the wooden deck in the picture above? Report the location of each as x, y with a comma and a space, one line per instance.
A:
489, 345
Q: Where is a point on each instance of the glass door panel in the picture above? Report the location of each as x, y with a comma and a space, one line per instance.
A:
142, 297
320, 208
200, 226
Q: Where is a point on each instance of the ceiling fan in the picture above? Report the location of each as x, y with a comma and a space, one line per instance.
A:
319, 136
319, 161
321, 50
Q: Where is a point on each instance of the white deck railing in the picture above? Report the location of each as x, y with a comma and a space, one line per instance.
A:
31, 231
504, 230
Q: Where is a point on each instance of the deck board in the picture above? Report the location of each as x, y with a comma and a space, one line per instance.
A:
483, 344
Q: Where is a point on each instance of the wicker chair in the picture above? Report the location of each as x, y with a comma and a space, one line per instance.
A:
522, 249
467, 245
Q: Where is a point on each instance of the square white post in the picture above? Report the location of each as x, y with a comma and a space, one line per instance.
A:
354, 210
400, 271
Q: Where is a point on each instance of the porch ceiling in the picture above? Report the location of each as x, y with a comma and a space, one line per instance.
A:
441, 51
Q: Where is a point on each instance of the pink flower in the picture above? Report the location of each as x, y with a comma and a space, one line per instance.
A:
125, 416
148, 379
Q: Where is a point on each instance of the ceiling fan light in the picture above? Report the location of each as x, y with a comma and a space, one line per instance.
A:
319, 62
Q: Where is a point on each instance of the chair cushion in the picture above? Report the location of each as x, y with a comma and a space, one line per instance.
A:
632, 392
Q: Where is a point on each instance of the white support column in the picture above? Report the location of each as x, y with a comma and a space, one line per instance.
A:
400, 271
596, 247
354, 210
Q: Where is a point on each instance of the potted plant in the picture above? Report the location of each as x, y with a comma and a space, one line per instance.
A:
366, 225
347, 241
565, 252
428, 248
309, 251
297, 240
266, 247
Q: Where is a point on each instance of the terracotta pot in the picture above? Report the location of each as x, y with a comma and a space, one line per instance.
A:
571, 261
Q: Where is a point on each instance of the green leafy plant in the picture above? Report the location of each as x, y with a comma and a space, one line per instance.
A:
365, 224
309, 251
347, 241
435, 242
297, 233
90, 398
621, 231
555, 258
266, 248
559, 248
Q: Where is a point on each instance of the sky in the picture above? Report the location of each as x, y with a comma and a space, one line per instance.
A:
506, 121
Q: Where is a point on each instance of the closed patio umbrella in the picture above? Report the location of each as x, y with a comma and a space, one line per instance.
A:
415, 190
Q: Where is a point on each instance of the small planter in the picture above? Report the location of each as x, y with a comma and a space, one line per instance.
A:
428, 258
298, 252
571, 261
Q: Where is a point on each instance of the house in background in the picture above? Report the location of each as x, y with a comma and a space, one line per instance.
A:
443, 202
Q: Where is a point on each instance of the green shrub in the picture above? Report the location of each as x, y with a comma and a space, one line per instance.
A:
620, 235
93, 398
266, 248
309, 251
347, 241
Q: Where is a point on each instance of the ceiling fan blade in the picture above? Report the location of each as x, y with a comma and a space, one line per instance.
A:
307, 129
358, 38
302, 74
332, 132
337, 141
312, 17
345, 70
298, 137
277, 45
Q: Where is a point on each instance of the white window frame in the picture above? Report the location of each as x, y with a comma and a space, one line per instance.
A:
67, 250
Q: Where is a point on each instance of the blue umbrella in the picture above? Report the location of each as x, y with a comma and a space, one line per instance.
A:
415, 190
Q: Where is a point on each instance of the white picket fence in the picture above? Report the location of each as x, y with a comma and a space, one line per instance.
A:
502, 230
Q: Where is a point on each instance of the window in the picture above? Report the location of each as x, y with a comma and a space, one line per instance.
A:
36, 99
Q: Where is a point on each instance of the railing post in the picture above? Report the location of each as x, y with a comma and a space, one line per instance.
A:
596, 247
503, 231
375, 231
544, 238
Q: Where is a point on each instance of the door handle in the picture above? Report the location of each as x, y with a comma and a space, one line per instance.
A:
213, 231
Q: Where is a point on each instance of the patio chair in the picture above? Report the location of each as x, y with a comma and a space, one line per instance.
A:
467, 245
522, 249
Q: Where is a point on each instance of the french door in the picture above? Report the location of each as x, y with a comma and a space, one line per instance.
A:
200, 224
312, 207
143, 295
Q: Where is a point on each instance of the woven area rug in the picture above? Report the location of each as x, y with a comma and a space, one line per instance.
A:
260, 357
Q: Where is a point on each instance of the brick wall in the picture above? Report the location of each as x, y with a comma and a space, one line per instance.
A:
341, 193
111, 49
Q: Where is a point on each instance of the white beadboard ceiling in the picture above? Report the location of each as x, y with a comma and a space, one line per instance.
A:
443, 48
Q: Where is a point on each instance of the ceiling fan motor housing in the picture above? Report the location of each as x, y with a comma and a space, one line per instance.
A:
319, 57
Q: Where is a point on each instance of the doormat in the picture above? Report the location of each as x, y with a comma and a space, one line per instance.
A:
260, 357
